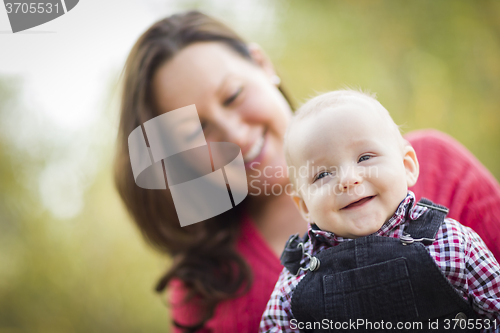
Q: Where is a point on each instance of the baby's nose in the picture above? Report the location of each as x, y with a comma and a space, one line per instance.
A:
349, 177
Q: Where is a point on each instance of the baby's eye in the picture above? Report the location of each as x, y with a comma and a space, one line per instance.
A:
321, 175
364, 158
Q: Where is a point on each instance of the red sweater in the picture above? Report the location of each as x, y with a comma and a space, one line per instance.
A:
449, 175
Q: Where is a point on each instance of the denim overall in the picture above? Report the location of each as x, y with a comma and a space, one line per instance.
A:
378, 278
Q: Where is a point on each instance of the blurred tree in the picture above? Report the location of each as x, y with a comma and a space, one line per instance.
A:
68, 275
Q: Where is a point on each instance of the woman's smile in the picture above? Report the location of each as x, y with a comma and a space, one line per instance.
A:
255, 152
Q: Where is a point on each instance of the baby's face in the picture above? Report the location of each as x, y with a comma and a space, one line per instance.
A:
352, 167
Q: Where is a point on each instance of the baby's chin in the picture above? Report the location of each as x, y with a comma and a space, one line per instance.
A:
366, 232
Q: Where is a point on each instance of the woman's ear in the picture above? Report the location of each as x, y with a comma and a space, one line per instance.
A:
301, 206
261, 59
410, 162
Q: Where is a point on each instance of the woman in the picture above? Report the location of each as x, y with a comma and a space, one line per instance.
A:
224, 269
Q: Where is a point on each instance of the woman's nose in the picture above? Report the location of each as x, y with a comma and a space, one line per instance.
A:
349, 177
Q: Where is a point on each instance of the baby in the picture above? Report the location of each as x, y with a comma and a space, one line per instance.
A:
373, 259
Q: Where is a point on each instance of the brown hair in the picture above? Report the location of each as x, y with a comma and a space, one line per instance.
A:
204, 258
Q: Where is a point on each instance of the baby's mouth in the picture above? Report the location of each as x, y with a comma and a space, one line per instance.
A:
359, 202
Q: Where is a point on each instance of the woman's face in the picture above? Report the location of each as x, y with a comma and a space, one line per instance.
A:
236, 102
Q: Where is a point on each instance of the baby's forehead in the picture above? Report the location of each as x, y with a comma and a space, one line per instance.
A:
348, 107
340, 108
350, 111
349, 122
334, 100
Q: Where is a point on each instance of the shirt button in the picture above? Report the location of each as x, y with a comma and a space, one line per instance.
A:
461, 316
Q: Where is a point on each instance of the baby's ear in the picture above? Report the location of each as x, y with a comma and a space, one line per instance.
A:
411, 165
301, 206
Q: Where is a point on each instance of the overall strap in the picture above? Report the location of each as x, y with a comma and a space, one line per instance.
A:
424, 228
293, 253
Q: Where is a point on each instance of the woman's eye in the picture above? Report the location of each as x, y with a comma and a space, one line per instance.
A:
364, 158
231, 98
322, 175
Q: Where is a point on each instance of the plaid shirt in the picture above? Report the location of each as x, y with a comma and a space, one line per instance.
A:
458, 251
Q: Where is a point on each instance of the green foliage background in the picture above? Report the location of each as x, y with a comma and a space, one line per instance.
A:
433, 64
91, 273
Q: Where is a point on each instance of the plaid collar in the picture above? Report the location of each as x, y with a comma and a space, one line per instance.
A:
407, 210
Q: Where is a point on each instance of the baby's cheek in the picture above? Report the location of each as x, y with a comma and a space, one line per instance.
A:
322, 215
